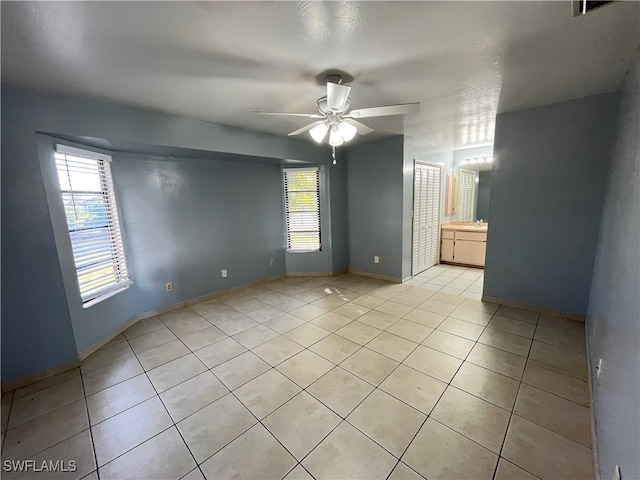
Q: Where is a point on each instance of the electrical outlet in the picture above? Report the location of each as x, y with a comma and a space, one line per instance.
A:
599, 368
272, 262
224, 273
169, 286
377, 259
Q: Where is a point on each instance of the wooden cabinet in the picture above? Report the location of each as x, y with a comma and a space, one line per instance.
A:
462, 251
478, 251
463, 247
446, 250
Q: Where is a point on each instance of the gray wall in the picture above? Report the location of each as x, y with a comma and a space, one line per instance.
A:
375, 206
613, 322
40, 327
483, 196
339, 212
36, 327
546, 200
183, 221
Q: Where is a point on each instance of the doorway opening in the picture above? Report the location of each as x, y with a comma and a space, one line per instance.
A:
427, 185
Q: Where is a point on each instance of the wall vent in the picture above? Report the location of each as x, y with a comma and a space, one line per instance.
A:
582, 7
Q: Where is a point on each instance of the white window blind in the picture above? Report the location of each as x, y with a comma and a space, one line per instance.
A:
302, 207
92, 219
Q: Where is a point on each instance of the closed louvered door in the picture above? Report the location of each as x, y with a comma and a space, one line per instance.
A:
426, 216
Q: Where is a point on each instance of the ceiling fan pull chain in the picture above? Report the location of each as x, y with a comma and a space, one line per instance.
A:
333, 154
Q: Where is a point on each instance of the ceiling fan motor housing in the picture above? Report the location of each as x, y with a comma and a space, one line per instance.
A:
324, 109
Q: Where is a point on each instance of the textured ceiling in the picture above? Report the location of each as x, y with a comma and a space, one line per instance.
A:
217, 61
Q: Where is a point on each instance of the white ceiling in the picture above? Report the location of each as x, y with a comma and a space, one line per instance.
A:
217, 61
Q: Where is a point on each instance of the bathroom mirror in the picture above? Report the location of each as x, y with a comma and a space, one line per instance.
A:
473, 189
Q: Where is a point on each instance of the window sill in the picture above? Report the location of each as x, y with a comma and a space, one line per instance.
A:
303, 251
104, 296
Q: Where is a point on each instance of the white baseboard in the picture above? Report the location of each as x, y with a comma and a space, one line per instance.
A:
36, 377
592, 412
376, 275
316, 274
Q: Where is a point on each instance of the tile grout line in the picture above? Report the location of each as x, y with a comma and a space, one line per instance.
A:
231, 392
304, 348
83, 398
144, 372
173, 423
342, 419
512, 412
375, 387
449, 385
4, 434
93, 445
334, 365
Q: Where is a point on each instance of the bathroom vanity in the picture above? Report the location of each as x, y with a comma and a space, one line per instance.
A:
463, 243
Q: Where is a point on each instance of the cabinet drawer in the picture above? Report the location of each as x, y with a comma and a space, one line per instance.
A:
448, 234
474, 236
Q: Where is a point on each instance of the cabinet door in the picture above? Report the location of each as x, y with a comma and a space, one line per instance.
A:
446, 250
462, 251
478, 250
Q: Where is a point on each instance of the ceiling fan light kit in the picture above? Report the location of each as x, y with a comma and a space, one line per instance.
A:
335, 138
347, 130
319, 132
335, 117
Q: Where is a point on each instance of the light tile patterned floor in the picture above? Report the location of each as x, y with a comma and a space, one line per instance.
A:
454, 279
330, 378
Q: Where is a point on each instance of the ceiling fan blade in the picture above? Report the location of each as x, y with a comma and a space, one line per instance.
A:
287, 114
306, 128
362, 128
337, 96
401, 109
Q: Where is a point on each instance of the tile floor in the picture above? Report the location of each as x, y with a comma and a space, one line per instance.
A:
326, 378
454, 279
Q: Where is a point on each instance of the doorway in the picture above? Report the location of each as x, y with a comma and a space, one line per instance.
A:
427, 185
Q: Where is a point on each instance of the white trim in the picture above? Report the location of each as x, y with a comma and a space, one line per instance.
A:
592, 410
577, 317
93, 256
286, 171
376, 275
82, 153
107, 293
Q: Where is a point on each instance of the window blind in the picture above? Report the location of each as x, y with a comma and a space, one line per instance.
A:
92, 219
302, 207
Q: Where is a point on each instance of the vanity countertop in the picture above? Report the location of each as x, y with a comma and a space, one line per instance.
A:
466, 226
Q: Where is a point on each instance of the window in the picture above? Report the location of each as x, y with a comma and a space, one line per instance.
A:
92, 219
302, 207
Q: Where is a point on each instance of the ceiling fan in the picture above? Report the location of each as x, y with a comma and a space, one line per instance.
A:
335, 119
